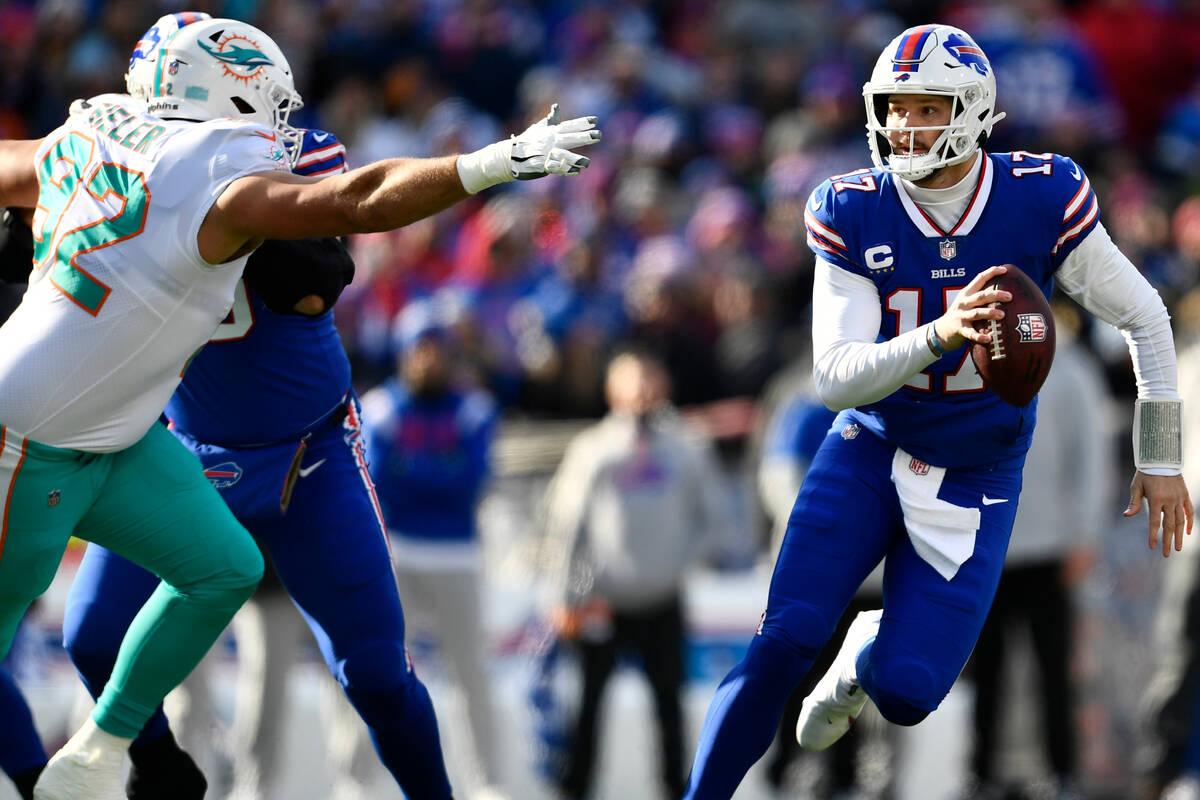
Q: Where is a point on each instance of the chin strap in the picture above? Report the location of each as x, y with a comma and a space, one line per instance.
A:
1158, 435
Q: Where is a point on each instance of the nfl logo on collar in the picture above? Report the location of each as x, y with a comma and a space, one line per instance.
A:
947, 249
53, 498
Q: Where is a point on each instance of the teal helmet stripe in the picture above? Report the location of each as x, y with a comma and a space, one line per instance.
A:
156, 90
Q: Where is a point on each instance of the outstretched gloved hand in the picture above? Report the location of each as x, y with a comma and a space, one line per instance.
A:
544, 148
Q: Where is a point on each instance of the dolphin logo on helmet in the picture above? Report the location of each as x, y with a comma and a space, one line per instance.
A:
214, 68
240, 56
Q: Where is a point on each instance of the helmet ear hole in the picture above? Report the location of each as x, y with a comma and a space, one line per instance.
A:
242, 105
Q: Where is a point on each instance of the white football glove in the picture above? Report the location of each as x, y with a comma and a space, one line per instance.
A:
544, 148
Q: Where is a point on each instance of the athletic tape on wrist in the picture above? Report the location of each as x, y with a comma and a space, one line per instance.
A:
1158, 434
486, 167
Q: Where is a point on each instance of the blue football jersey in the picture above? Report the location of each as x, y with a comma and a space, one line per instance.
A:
1029, 209
262, 377
320, 154
266, 376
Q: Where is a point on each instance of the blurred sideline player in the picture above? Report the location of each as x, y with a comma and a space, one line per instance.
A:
922, 468
429, 436
117, 317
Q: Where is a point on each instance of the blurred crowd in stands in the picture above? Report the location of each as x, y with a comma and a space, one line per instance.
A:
720, 116
686, 234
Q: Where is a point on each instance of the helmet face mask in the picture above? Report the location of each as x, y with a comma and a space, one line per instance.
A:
936, 60
216, 68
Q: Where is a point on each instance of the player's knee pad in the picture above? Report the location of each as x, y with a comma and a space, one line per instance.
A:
234, 576
786, 645
379, 682
244, 565
905, 692
800, 626
375, 667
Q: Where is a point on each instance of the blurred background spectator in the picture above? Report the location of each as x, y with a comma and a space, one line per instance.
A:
635, 502
430, 437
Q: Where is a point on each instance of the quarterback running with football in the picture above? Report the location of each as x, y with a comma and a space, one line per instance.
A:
145, 215
922, 467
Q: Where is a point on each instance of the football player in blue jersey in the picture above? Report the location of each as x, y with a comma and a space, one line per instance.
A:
220, 167
22, 756
922, 468
267, 408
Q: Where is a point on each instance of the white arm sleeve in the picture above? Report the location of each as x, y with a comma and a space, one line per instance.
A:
1100, 278
849, 367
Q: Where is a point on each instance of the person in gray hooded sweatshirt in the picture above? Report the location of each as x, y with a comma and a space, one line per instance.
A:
636, 499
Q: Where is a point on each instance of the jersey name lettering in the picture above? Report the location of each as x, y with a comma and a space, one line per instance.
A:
123, 128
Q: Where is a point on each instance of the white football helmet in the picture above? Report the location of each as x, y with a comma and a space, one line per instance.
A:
934, 60
140, 77
225, 68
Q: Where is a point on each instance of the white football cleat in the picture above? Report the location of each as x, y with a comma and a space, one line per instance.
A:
837, 698
90, 766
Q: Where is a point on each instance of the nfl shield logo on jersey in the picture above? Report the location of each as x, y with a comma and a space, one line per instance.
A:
850, 431
918, 467
53, 498
1031, 327
947, 249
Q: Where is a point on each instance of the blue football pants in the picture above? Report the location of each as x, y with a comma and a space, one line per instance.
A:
330, 551
846, 519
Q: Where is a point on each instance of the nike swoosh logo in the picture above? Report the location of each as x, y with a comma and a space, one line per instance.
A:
987, 501
320, 137
1075, 172
816, 206
306, 471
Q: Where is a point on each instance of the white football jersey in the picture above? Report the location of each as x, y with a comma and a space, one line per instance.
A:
119, 299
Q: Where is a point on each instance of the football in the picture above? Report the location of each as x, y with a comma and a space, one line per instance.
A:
1017, 360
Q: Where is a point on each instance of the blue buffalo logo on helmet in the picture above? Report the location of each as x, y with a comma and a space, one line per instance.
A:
967, 53
162, 30
145, 46
223, 475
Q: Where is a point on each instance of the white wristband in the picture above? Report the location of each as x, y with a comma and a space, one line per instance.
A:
486, 167
1158, 436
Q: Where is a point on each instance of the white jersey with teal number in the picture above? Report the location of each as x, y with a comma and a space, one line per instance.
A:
120, 299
